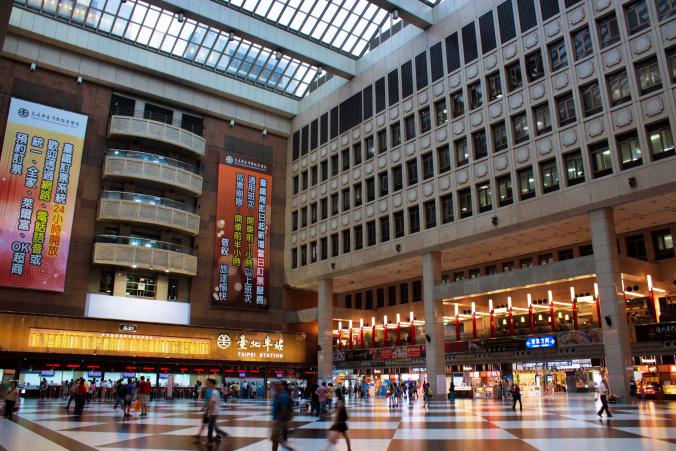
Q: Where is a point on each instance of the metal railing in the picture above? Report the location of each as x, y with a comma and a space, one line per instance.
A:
147, 200
154, 158
196, 129
144, 242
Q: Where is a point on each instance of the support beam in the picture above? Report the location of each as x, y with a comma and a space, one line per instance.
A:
255, 30
325, 330
434, 326
414, 12
613, 308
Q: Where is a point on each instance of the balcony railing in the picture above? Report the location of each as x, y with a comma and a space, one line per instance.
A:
141, 208
149, 167
147, 200
194, 128
147, 128
144, 242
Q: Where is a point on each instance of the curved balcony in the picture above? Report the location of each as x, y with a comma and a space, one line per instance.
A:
129, 164
141, 208
140, 126
144, 253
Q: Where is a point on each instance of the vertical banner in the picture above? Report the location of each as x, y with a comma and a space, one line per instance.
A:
39, 171
242, 240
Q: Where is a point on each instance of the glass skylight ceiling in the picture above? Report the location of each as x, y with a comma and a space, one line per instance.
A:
204, 46
343, 25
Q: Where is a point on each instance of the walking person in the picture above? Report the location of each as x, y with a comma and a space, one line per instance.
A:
451, 392
72, 392
322, 391
282, 412
339, 426
516, 396
119, 394
603, 394
11, 397
80, 397
128, 398
213, 409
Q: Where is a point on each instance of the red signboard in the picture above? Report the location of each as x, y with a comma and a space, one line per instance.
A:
240, 276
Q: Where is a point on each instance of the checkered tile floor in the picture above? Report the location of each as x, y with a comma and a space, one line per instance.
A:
552, 424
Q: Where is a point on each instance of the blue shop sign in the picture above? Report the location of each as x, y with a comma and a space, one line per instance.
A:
548, 341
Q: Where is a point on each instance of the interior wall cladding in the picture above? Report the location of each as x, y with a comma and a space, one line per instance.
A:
352, 112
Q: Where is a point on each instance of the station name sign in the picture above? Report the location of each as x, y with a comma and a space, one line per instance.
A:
261, 346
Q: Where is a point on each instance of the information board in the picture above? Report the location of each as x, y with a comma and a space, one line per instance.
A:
39, 172
240, 274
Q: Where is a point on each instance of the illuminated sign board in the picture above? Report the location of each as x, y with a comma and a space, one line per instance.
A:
258, 346
547, 341
39, 171
241, 236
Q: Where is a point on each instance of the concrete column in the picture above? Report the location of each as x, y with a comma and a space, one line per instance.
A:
120, 284
434, 326
325, 330
608, 277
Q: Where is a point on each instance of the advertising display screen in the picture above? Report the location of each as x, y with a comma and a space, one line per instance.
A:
548, 341
241, 258
39, 172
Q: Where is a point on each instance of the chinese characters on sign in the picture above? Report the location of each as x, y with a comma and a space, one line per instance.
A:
260, 346
39, 173
241, 263
548, 341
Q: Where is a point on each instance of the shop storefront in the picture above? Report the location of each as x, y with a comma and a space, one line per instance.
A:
655, 376
548, 378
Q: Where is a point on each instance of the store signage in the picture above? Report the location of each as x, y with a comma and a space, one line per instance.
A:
39, 171
242, 239
47, 373
648, 360
256, 346
366, 357
656, 332
127, 327
548, 341
497, 344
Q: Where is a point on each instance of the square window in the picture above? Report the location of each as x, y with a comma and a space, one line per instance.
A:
465, 203
618, 88
412, 172
630, 150
397, 178
574, 168
566, 109
457, 104
345, 158
520, 127
609, 32
383, 184
526, 183
602, 160
370, 147
660, 140
494, 86
356, 190
303, 217
356, 154
479, 144
648, 74
324, 170
430, 208
671, 58
499, 132
440, 112
295, 184
444, 159
485, 197
398, 217
427, 165
446, 208
665, 8
534, 67
637, 17
550, 176
324, 208
346, 199
504, 184
334, 245
476, 98
582, 43
409, 127
314, 175
370, 189
346, 241
384, 229
334, 204
425, 120
382, 141
663, 243
636, 247
334, 165
395, 134
461, 152
371, 233
543, 119
558, 55
591, 99
358, 232
514, 80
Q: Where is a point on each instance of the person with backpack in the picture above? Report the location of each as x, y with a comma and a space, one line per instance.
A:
516, 396
128, 398
339, 426
119, 394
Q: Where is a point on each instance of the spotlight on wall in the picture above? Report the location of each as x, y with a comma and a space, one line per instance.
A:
494, 220
319, 348
333, 265
636, 287
609, 321
231, 36
80, 79
278, 55
320, 71
632, 182
34, 67
265, 132
395, 14
180, 17
397, 248
428, 338
232, 122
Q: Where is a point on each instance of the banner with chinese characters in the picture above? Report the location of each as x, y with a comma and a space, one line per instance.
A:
243, 213
39, 171
256, 346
